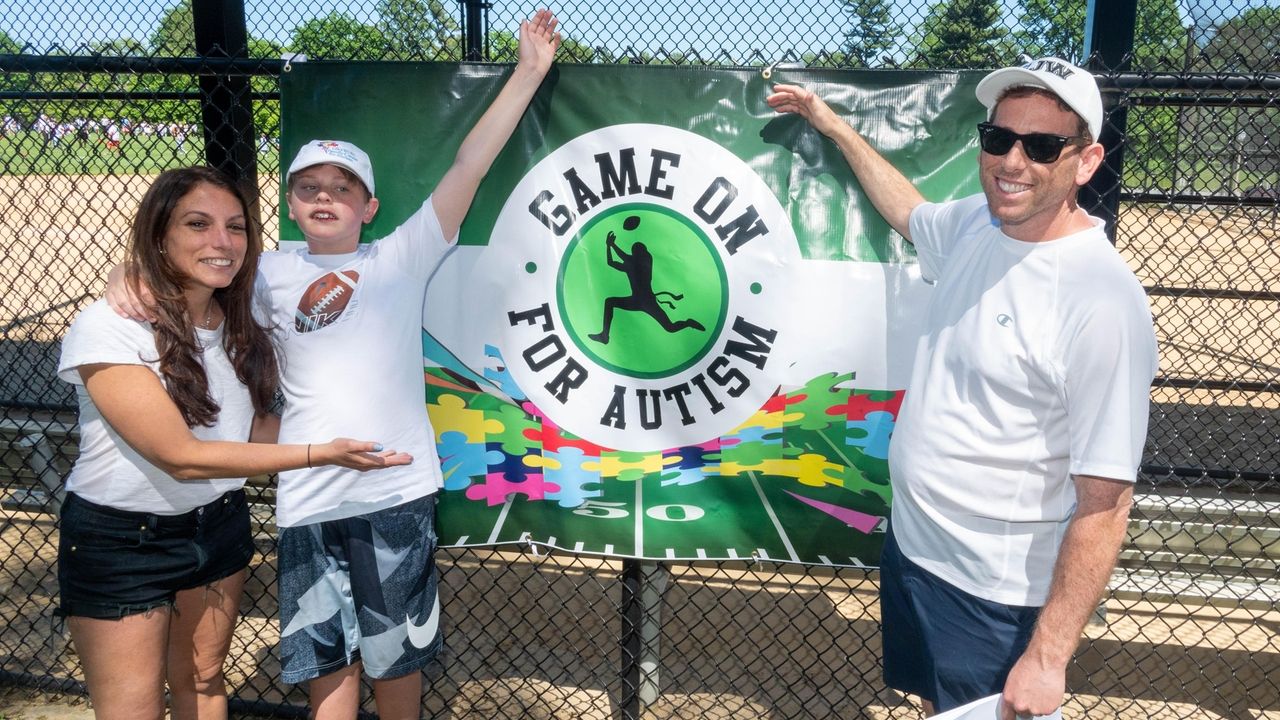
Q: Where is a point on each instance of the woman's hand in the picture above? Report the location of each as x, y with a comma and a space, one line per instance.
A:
356, 454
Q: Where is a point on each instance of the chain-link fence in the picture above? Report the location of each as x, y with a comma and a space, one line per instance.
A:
97, 97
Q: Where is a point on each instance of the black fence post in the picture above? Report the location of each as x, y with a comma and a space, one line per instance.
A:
1109, 34
226, 107
632, 610
473, 22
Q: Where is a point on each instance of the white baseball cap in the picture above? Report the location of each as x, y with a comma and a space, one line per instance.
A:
334, 152
1074, 85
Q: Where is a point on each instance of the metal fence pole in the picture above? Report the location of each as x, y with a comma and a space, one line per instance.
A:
643, 583
1109, 33
473, 21
632, 609
225, 103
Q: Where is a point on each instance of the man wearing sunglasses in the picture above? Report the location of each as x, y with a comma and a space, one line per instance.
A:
1022, 428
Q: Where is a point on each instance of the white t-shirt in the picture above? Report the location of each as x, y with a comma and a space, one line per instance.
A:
349, 329
108, 471
1035, 365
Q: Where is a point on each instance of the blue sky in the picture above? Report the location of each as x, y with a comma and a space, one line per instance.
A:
708, 26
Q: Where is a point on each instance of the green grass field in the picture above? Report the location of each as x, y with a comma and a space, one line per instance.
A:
30, 153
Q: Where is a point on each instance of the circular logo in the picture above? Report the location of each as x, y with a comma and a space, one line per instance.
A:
642, 291
643, 275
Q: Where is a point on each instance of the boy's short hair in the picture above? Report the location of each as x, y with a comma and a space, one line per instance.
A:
340, 153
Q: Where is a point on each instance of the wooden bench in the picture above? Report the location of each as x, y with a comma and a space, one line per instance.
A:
36, 454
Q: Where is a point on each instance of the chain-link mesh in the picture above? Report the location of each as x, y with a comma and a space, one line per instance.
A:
95, 98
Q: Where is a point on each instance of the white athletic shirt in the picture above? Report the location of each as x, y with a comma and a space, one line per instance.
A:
356, 373
108, 471
1035, 365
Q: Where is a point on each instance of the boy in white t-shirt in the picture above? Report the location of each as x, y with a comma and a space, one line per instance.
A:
356, 569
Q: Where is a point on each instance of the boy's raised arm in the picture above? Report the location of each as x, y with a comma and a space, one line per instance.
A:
452, 197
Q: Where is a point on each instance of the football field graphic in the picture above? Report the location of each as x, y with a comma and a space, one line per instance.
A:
795, 470
673, 327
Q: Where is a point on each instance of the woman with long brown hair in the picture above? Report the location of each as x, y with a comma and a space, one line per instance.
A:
174, 415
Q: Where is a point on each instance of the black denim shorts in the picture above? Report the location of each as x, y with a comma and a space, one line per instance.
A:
113, 563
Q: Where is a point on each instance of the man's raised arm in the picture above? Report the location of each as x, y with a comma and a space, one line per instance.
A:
889, 190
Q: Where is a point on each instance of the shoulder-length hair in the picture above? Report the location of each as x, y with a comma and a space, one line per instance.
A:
247, 344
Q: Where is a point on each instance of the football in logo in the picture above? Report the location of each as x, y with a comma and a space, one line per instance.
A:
324, 300
645, 278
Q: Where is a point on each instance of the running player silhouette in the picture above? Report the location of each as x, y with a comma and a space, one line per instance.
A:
638, 266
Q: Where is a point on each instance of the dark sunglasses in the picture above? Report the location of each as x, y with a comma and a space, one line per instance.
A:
1039, 147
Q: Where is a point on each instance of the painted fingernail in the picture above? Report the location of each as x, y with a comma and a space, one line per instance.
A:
377, 447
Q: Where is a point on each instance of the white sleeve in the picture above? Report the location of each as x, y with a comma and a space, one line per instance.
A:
99, 335
935, 227
418, 244
261, 303
1109, 362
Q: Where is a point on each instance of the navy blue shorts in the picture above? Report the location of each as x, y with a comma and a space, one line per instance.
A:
941, 643
113, 563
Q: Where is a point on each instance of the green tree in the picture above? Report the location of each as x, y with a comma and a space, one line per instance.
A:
872, 32
829, 58
266, 113
338, 35
1052, 27
123, 47
1159, 38
265, 49
962, 34
420, 29
9, 46
1241, 140
1056, 27
1249, 42
503, 46
176, 34
573, 51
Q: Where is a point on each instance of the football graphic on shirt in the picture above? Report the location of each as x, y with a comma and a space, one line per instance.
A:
324, 300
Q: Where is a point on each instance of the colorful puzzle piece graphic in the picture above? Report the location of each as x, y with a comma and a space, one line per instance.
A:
872, 434
680, 476
576, 476
552, 439
818, 398
861, 402
513, 423
460, 461
450, 413
497, 488
809, 469
856, 481
749, 446
630, 466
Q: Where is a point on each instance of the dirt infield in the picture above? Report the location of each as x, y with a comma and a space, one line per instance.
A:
61, 233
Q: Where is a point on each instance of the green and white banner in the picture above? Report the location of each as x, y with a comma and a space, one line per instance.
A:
675, 328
